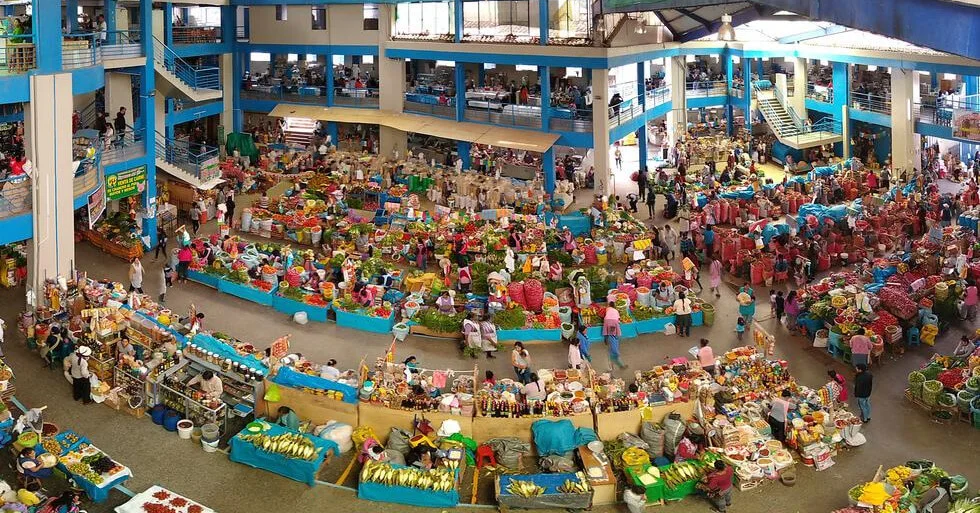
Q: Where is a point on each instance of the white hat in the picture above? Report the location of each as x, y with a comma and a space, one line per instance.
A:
449, 428
85, 351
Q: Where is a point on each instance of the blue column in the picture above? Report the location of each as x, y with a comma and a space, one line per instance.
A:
228, 20
842, 87
148, 121
168, 24
548, 169
543, 24
246, 21
329, 80
972, 85
641, 95
463, 150
458, 21
729, 80
47, 35
544, 75
333, 133
481, 76
747, 100
71, 12
8, 10
460, 82
109, 11
934, 80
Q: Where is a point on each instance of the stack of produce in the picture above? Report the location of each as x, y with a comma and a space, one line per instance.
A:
440, 479
290, 445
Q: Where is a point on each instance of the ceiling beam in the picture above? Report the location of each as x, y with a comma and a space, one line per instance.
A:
744, 16
664, 22
812, 34
610, 6
704, 23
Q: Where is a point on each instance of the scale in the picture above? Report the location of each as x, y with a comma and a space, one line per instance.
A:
598, 451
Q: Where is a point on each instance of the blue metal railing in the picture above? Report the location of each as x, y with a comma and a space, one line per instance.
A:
308, 95
826, 124
200, 160
356, 97
196, 35
625, 111
797, 122
706, 88
571, 120
658, 96
122, 147
195, 77
17, 53
80, 50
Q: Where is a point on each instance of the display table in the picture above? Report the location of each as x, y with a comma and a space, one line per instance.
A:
291, 306
154, 495
605, 486
203, 278
407, 495
299, 470
551, 498
97, 492
365, 322
247, 292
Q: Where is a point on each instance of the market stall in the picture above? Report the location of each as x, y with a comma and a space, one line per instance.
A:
279, 450
543, 491
908, 488
157, 498
435, 487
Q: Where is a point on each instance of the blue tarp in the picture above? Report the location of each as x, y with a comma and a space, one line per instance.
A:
409, 496
288, 377
577, 223
299, 470
213, 345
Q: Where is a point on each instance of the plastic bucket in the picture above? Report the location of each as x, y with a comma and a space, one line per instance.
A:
170, 420
156, 413
246, 219
209, 432
184, 429
195, 434
209, 446
708, 312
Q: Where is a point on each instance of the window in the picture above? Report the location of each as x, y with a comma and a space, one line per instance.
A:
260, 57
292, 57
448, 64
319, 15
367, 59
311, 57
525, 67
573, 72
371, 15
337, 60
281, 13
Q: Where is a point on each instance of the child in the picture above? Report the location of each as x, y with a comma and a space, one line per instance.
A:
772, 303
780, 306
489, 380
740, 327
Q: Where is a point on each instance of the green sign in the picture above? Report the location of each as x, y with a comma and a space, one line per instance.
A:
125, 183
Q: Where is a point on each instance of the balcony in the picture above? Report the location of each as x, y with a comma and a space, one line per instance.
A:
15, 196
510, 115
305, 95
17, 54
82, 50
704, 89
871, 102
120, 148
658, 96
356, 97
196, 35
625, 111
429, 105
569, 120
820, 93
241, 32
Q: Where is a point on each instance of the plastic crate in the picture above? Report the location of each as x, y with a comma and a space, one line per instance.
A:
654, 492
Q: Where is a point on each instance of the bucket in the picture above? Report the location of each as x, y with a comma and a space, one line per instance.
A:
170, 420
708, 312
209, 432
225, 230
209, 446
184, 429
196, 435
565, 314
156, 413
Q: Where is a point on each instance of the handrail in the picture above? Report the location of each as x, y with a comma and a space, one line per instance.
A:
196, 35
826, 97
498, 114
657, 96
356, 96
772, 116
706, 88
197, 78
871, 102
797, 122
123, 147
192, 158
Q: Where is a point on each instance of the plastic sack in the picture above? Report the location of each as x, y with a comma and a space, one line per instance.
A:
398, 440
557, 464
272, 393
630, 440
508, 450
673, 432
653, 435
670, 329
394, 457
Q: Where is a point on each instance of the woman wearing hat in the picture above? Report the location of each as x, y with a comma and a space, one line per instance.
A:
77, 367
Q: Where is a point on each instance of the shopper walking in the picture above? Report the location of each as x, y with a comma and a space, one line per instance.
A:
709, 242
651, 201
161, 245
610, 323
165, 281
718, 486
77, 364
792, 310
230, 207
574, 354
970, 300
136, 276
778, 414
715, 276
672, 239
195, 215
682, 311
584, 343
862, 391
780, 306
119, 124
860, 348
613, 342
184, 257
521, 360
641, 182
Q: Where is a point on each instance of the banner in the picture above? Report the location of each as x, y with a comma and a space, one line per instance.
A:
125, 183
966, 125
96, 206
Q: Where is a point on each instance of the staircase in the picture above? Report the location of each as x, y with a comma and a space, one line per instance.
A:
299, 131
196, 166
196, 83
787, 125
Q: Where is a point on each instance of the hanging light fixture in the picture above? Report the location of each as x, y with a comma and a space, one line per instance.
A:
726, 32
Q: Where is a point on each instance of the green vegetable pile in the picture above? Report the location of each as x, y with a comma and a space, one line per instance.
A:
510, 319
435, 321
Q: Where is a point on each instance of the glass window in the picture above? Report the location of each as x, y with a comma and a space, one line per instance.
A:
292, 57
367, 59
319, 18
280, 13
371, 15
260, 57
573, 72
449, 64
525, 67
311, 57
338, 60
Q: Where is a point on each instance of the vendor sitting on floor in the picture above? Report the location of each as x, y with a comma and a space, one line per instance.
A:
288, 418
364, 294
210, 383
30, 466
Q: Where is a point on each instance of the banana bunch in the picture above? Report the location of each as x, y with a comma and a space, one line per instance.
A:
450, 464
680, 473
580, 486
290, 445
524, 489
437, 479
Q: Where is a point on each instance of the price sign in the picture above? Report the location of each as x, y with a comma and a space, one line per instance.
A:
279, 348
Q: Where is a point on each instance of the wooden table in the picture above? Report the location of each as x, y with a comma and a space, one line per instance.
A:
605, 486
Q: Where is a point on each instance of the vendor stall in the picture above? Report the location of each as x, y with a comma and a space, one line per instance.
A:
279, 450
156, 498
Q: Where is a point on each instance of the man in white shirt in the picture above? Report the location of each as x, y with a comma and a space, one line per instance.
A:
103, 29
210, 384
77, 366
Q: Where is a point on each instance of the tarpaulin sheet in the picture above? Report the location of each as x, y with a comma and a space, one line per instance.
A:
288, 377
824, 170
577, 223
551, 498
408, 495
208, 343
299, 470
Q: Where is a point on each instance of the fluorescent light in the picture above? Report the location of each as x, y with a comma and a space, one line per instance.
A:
689, 58
311, 57
446, 63
292, 57
872, 67
823, 62
949, 76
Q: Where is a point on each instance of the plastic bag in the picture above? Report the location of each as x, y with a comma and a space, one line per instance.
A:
557, 464
398, 440
508, 450
653, 435
673, 432
670, 329
630, 440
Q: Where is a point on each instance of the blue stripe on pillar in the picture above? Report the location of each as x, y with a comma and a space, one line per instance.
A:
458, 20
463, 150
148, 120
109, 11
641, 141
548, 168
329, 79
168, 24
544, 21
460, 82
544, 75
747, 100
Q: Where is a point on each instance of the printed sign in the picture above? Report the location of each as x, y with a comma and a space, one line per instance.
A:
966, 125
96, 206
125, 183
279, 348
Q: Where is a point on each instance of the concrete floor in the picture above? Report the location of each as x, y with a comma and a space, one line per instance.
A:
898, 432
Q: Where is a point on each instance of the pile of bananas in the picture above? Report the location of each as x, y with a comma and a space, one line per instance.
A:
290, 445
437, 479
897, 476
524, 489
579, 486
680, 473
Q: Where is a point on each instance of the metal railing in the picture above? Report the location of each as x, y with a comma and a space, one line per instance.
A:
775, 120
305, 95
16, 196
629, 109
701, 89
122, 44
823, 94
441, 110
571, 120
797, 122
871, 102
356, 97
241, 32
969, 102
17, 53
826, 124
657, 96
196, 35
81, 50
123, 147
511, 115
737, 90
199, 160
196, 77
929, 112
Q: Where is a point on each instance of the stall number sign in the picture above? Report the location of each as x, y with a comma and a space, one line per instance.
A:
125, 183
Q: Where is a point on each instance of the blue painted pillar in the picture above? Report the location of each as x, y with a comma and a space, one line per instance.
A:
641, 95
841, 87
8, 10
544, 75
463, 150
168, 24
747, 100
972, 89
71, 12
481, 76
148, 124
334, 133
109, 11
548, 169
47, 35
934, 80
544, 22
458, 21
760, 70
229, 17
329, 80
460, 83
245, 20
729, 81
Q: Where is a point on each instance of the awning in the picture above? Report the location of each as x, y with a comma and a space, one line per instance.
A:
515, 138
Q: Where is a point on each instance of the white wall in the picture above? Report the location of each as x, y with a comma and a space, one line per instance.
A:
345, 26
